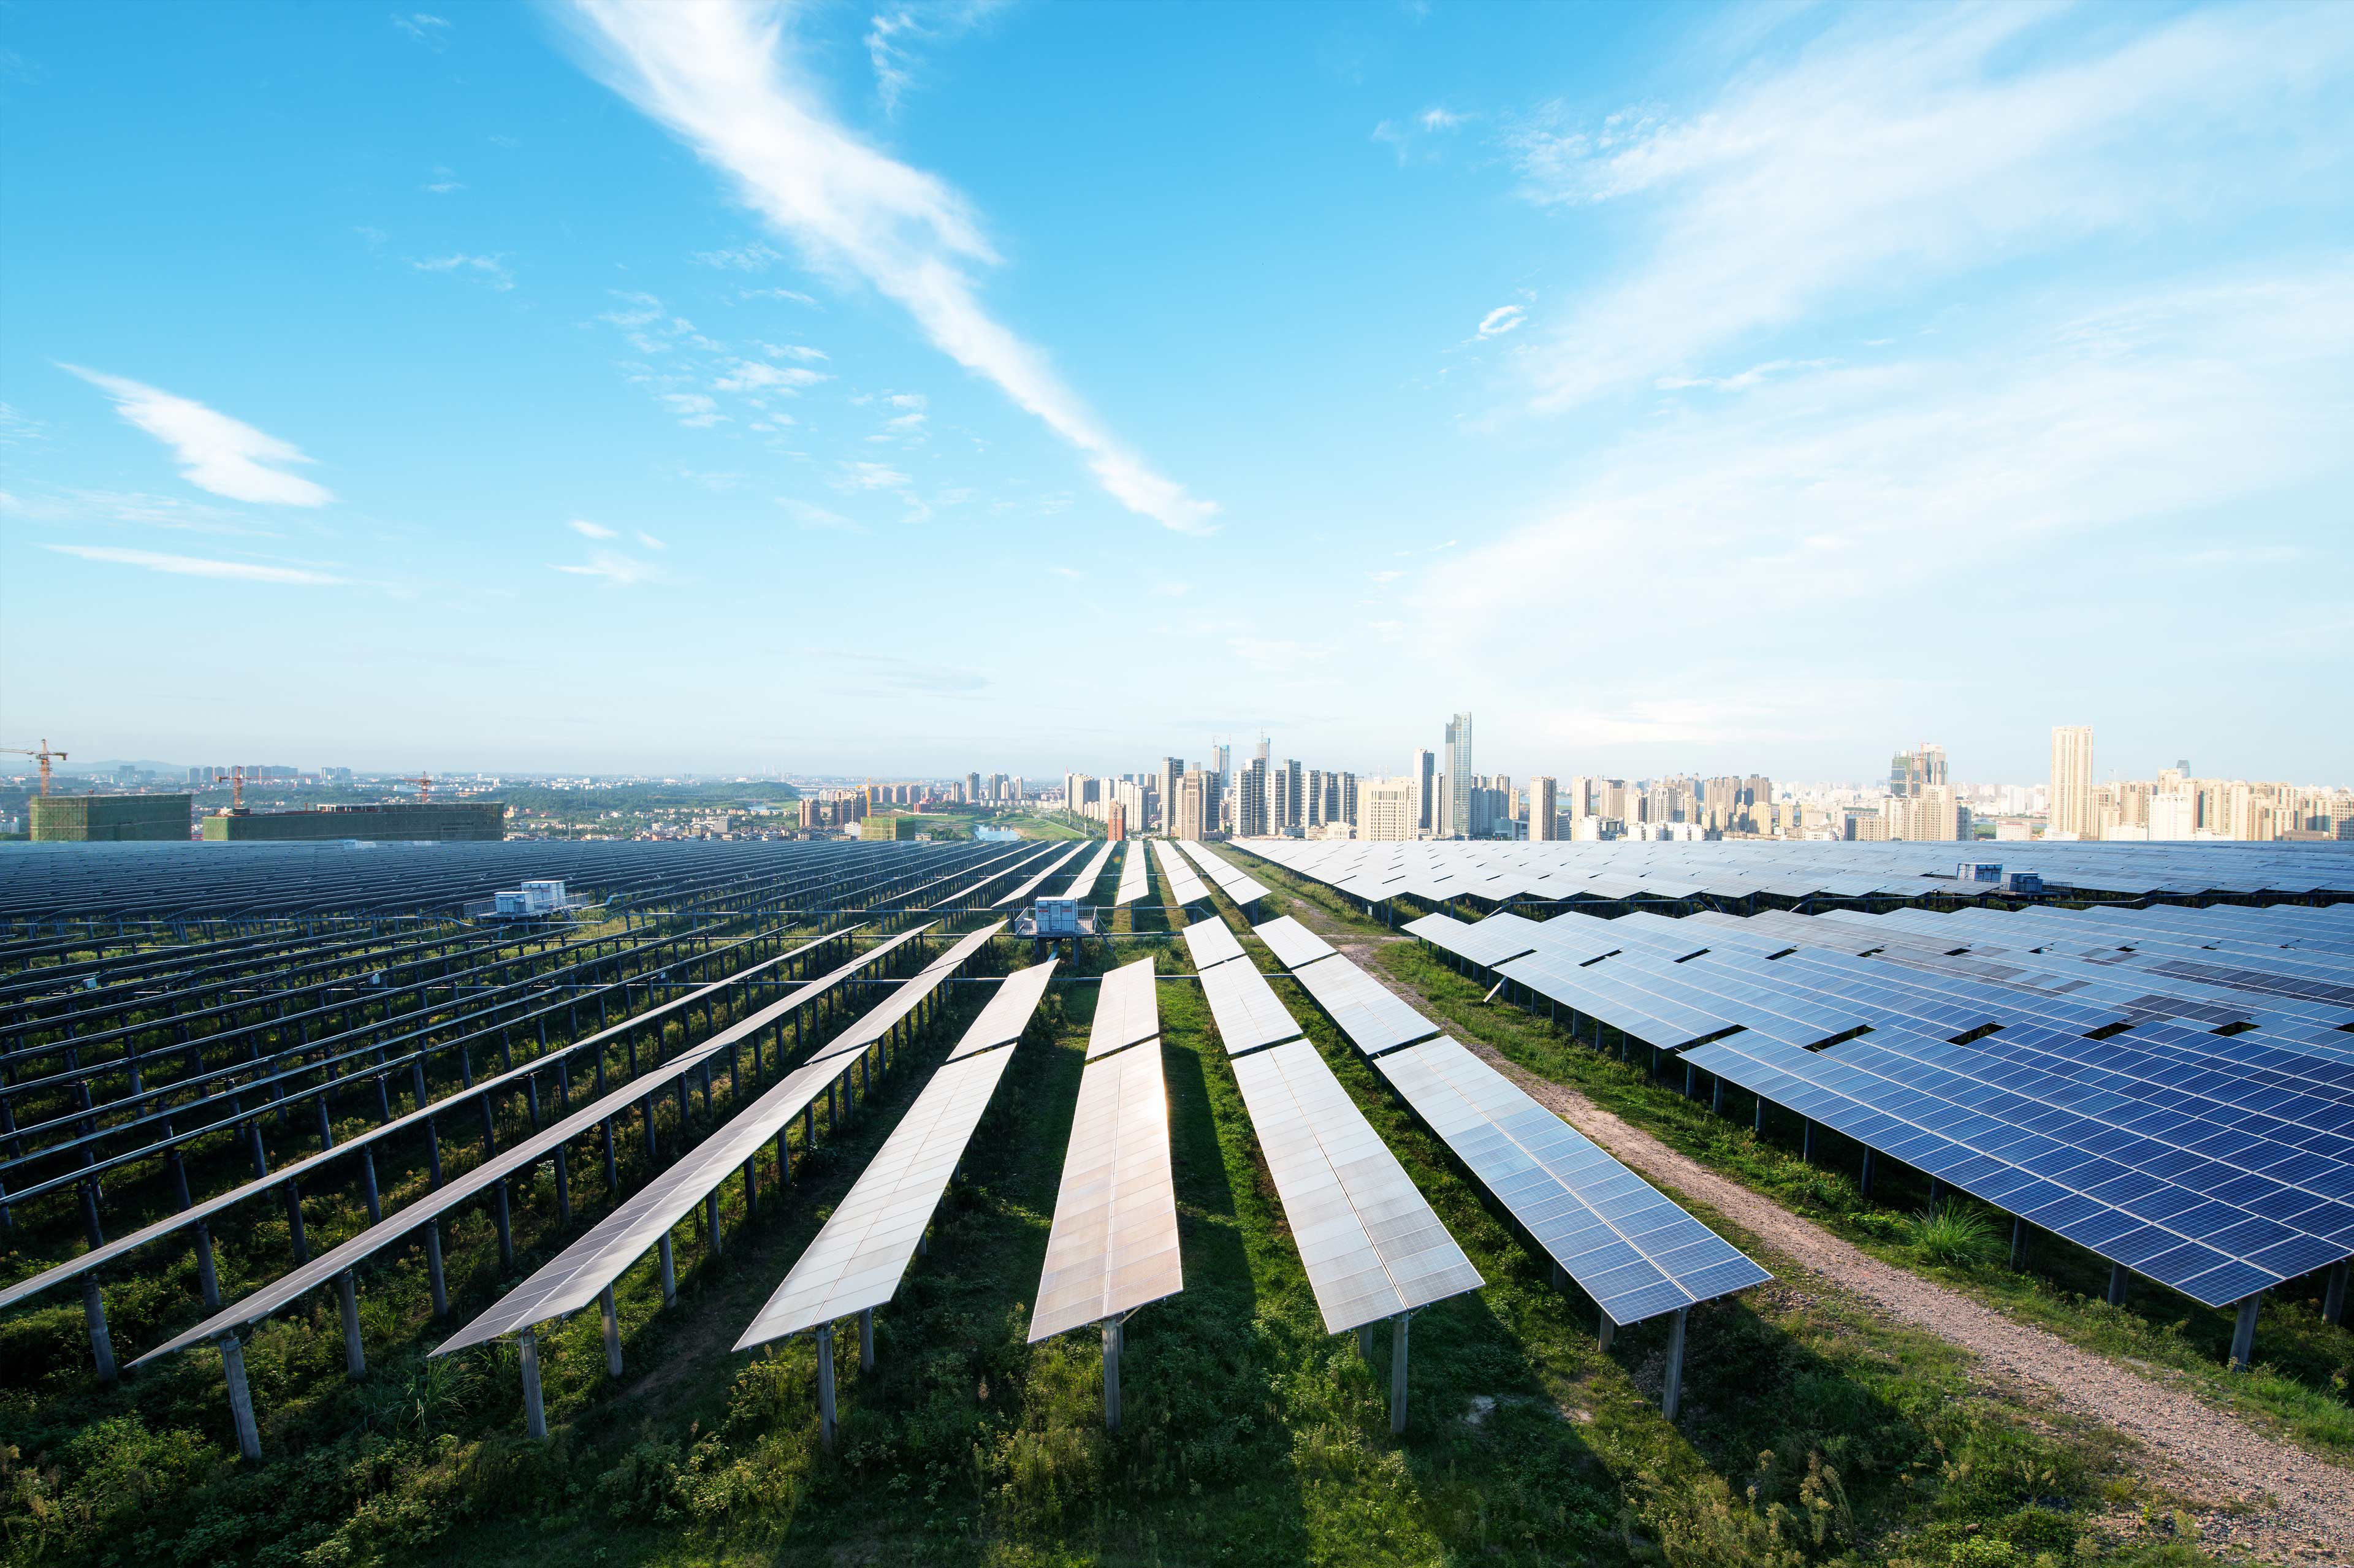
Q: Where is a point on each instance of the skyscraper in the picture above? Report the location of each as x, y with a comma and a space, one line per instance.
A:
1171, 769
2072, 780
1542, 808
1250, 801
1459, 778
1388, 805
1425, 767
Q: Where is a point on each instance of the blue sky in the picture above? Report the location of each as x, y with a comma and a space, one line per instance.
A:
1028, 386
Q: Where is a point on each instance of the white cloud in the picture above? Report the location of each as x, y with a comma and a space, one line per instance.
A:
444, 182
425, 30
492, 269
650, 542
589, 530
1501, 320
717, 78
800, 351
694, 411
215, 452
809, 516
1071, 572
907, 400
795, 295
1388, 577
1413, 135
198, 566
869, 476
1438, 119
751, 376
621, 570
892, 38
753, 257
1901, 148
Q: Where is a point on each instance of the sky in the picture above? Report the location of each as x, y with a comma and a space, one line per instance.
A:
1025, 386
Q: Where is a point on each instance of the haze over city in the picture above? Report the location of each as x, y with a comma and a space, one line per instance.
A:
1713, 390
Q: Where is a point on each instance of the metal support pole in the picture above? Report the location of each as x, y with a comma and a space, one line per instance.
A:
434, 1268
825, 1384
240, 1397
367, 1186
1757, 1121
1865, 1182
612, 1165
1397, 1373
1365, 1341
534, 1413
2243, 1334
1807, 1150
1609, 1331
347, 1297
1716, 1096
208, 1277
2116, 1284
711, 1218
1113, 1334
1671, 1396
867, 1338
612, 1332
93, 1312
669, 1272
563, 1187
2333, 1295
2018, 1240
506, 1230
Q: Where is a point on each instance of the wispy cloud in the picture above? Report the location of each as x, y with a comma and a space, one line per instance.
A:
1413, 136
852, 476
751, 376
1902, 148
650, 542
895, 37
612, 566
433, 31
491, 270
215, 452
717, 76
1501, 320
443, 181
589, 530
752, 258
809, 516
198, 566
694, 411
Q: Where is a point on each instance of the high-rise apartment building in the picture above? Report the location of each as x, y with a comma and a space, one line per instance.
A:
2072, 782
1459, 778
1388, 806
1171, 769
1251, 801
1425, 768
1542, 809
1196, 813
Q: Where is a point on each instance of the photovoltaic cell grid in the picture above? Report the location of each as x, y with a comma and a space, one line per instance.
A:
1628, 1246
1133, 884
1242, 1003
2207, 1162
1113, 1245
1292, 943
1034, 882
858, 1259
1370, 1244
572, 1280
262, 1304
1082, 884
1183, 884
1232, 881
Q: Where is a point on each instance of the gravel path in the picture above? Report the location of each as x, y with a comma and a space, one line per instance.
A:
2259, 1494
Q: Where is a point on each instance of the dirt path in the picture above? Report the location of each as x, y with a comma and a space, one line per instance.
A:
2255, 1493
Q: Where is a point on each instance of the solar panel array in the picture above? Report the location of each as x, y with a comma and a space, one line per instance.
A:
1183, 884
1031, 885
2062, 1064
574, 1277
1133, 877
1084, 883
1627, 1245
1546, 871
263, 1303
859, 1257
1232, 881
1113, 1248
1246, 1009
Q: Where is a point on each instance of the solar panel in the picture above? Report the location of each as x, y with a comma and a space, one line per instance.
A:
1212, 942
1368, 1240
1373, 1017
1113, 1245
1084, 883
1133, 877
1034, 884
1183, 884
858, 1259
572, 1280
1631, 1248
1293, 944
1236, 883
522, 1156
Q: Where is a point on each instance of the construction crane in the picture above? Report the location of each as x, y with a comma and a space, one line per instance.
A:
235, 780
424, 782
45, 754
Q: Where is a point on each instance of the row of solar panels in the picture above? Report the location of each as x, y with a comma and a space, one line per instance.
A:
1232, 880
1556, 870
1623, 1241
2099, 1104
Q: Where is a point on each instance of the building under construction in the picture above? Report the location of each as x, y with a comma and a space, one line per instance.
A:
111, 819
398, 821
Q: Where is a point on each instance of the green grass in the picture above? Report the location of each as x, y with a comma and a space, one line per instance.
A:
1813, 1432
2299, 1389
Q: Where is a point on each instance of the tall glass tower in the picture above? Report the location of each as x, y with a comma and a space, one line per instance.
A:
1458, 778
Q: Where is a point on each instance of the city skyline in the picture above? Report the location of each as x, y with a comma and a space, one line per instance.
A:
517, 415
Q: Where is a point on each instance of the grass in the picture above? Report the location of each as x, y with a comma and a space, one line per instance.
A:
1813, 1432
2299, 1389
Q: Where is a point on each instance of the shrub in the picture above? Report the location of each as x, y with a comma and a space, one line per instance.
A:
1953, 1235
